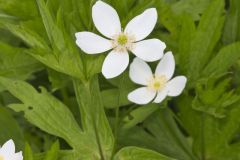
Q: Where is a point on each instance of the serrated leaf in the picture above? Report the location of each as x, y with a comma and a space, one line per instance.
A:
59, 120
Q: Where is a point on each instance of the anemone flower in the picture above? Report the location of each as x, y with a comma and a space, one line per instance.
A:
120, 41
157, 86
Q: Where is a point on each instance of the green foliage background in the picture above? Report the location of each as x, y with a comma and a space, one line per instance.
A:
56, 105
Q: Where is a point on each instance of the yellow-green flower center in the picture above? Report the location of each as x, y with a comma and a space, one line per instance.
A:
1, 157
122, 42
157, 83
122, 39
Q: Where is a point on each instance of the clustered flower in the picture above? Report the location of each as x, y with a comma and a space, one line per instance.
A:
120, 42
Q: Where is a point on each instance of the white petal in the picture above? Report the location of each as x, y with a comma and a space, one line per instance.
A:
92, 43
142, 25
166, 66
106, 19
176, 85
141, 95
161, 95
140, 72
149, 50
7, 156
115, 63
18, 156
8, 147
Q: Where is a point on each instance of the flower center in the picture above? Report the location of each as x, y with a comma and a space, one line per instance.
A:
122, 42
1, 157
157, 83
122, 39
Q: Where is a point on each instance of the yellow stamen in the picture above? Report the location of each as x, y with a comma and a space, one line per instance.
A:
122, 42
122, 39
1, 157
157, 83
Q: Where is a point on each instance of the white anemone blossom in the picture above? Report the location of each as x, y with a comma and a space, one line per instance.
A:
7, 152
157, 86
120, 41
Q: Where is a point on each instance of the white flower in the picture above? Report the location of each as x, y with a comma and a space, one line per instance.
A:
121, 41
157, 86
7, 152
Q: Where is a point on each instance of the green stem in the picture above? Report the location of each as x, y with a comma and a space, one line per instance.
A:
202, 137
98, 141
86, 111
116, 126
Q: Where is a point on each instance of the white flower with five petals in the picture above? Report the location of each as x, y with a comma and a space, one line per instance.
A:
121, 41
7, 152
157, 86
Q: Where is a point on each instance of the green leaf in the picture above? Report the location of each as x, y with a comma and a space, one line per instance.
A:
15, 63
54, 33
63, 64
26, 31
232, 25
6, 19
226, 58
117, 96
139, 115
215, 96
52, 154
28, 154
10, 128
62, 155
192, 7
167, 17
212, 137
58, 80
110, 98
159, 132
207, 36
171, 141
64, 56
25, 9
94, 120
134, 153
59, 120
186, 36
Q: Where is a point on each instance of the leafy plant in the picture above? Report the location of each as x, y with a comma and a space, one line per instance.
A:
71, 112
